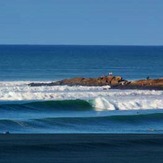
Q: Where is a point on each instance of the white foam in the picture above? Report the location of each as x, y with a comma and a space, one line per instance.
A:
104, 98
130, 103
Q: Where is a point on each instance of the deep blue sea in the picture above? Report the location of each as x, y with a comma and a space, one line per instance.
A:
58, 62
78, 109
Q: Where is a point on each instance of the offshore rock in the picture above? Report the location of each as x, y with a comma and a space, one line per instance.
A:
146, 84
115, 82
100, 81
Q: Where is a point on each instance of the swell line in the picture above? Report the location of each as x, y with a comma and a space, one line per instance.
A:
78, 123
49, 105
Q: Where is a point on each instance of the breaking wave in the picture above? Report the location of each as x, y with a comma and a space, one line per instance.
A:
76, 109
97, 104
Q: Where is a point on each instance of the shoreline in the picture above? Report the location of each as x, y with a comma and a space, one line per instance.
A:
73, 148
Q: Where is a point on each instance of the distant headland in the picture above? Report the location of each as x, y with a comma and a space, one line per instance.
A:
115, 82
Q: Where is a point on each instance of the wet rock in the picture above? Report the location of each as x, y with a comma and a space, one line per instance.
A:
116, 82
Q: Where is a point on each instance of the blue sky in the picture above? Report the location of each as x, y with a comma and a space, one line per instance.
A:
83, 22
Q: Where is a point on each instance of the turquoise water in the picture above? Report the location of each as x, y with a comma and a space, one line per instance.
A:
77, 109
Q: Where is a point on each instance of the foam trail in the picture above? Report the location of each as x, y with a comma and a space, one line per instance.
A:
103, 98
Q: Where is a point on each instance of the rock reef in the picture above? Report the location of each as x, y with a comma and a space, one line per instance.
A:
148, 84
115, 82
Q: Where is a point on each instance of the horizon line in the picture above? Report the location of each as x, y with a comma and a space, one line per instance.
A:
75, 45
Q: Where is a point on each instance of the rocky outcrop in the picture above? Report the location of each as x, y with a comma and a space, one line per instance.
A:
100, 81
150, 84
116, 82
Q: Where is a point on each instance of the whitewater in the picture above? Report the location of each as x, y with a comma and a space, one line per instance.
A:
78, 109
101, 98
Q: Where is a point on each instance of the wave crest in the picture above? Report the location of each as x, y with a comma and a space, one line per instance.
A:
102, 103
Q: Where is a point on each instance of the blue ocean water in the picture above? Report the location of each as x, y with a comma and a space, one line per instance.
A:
58, 62
78, 109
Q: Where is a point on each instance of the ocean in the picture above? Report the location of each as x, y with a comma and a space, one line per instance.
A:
78, 109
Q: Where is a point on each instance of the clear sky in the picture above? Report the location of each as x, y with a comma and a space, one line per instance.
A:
88, 22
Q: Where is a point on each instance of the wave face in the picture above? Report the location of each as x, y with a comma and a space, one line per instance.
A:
78, 109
